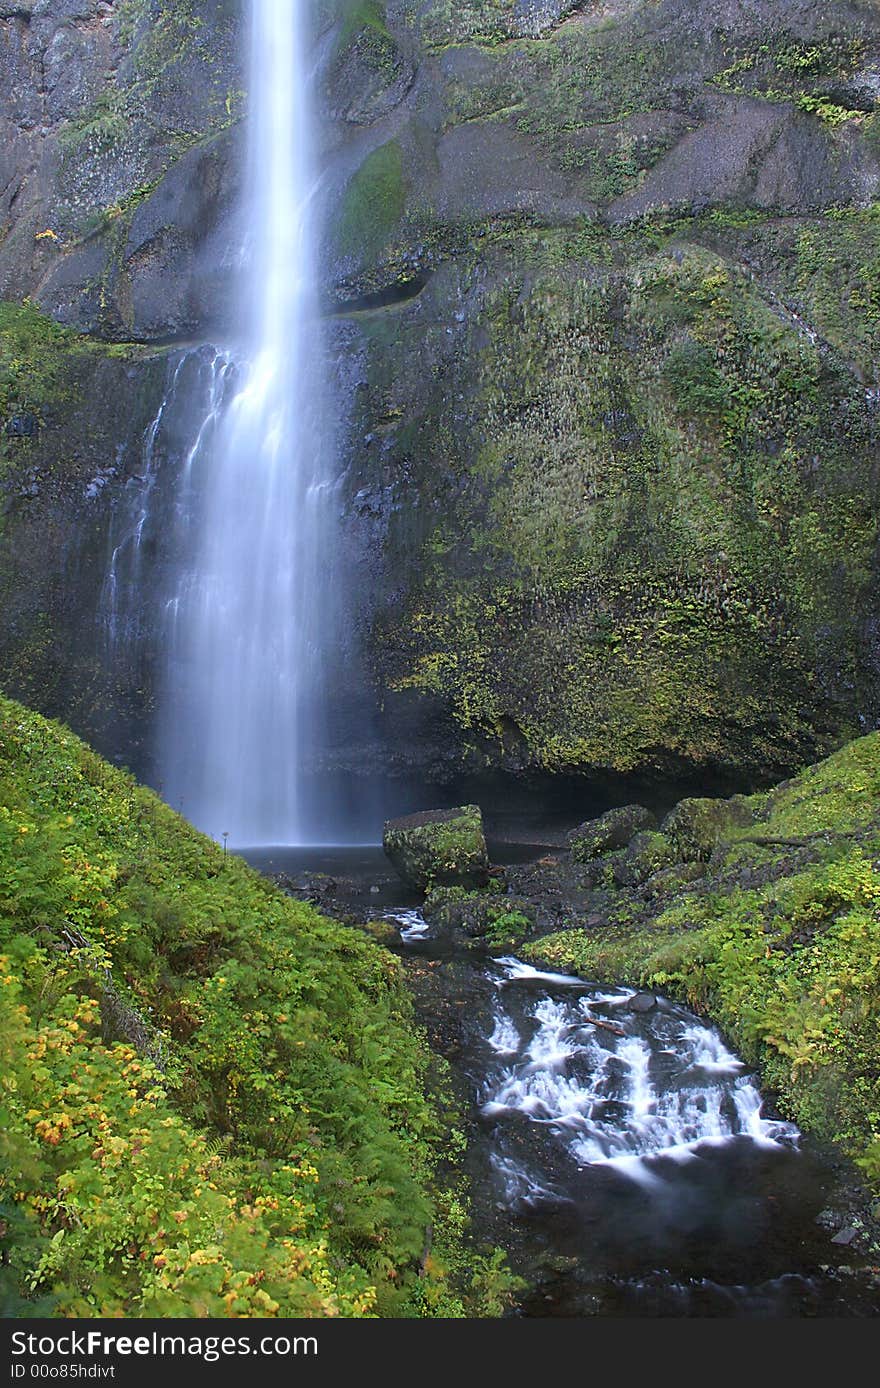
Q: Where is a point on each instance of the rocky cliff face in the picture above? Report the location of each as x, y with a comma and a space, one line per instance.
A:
604, 295
616, 438
120, 164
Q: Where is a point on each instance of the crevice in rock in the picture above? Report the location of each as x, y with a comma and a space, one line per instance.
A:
390, 296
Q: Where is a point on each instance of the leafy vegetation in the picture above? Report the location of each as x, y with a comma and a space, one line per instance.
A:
214, 1102
779, 71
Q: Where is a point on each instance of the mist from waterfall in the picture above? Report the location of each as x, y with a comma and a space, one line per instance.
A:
256, 501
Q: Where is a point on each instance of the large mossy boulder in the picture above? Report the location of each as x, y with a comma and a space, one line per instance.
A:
480, 913
614, 829
438, 847
696, 825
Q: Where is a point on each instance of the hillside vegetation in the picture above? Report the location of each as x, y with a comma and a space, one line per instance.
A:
213, 1101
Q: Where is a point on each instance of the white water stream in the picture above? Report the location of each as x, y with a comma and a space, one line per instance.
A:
613, 1087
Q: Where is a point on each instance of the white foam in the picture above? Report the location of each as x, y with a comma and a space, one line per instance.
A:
505, 1039
617, 1101
412, 924
520, 1187
518, 972
706, 1051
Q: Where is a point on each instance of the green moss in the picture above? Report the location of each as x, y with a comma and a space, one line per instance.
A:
39, 359
374, 203
697, 825
357, 15
836, 277
362, 30
101, 126
663, 528
34, 359
574, 93
445, 22
696, 383
787, 959
431, 850
214, 1101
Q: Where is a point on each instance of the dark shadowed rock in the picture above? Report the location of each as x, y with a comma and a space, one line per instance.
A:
642, 1002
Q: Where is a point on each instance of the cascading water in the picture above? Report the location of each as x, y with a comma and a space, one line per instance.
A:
620, 1151
251, 606
614, 1093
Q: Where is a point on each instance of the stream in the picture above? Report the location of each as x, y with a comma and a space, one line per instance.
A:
619, 1150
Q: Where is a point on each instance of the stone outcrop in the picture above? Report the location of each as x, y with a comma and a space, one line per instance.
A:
119, 164
614, 829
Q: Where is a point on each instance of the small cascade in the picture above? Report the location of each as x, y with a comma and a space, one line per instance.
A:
630, 1093
145, 530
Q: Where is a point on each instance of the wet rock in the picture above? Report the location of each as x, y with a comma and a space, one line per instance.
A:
845, 1236
614, 829
478, 914
641, 1003
370, 76
315, 887
438, 847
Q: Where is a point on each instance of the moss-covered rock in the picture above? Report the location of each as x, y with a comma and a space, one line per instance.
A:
670, 880
58, 489
501, 919
696, 826
438, 847
614, 829
614, 439
646, 855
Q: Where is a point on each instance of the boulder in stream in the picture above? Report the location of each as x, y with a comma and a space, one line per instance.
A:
438, 847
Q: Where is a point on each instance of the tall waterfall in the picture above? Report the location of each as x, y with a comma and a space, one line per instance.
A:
251, 606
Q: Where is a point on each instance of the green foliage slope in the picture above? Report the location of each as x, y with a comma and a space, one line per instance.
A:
213, 1101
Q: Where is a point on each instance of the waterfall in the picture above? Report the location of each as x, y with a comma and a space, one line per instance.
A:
251, 607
